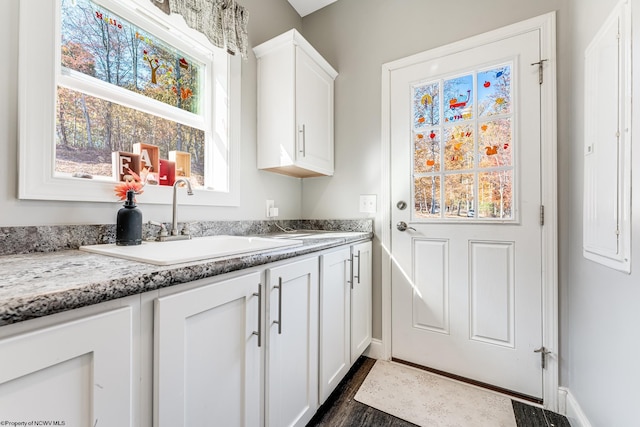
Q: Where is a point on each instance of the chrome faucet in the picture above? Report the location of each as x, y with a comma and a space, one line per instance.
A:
163, 235
174, 222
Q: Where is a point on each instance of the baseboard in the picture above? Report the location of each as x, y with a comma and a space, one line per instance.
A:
572, 409
375, 350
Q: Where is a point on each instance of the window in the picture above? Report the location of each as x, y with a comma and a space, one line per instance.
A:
463, 146
100, 80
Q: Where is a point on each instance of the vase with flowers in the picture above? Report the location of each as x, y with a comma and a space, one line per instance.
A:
129, 219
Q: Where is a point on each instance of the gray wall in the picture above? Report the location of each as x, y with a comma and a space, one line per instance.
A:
599, 348
268, 18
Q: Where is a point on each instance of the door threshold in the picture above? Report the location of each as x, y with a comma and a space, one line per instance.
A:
510, 393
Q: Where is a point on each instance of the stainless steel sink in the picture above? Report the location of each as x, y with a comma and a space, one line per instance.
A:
200, 248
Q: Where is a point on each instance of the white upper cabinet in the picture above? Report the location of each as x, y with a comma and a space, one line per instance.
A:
295, 107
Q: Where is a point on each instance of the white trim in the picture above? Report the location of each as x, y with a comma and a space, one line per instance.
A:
375, 349
572, 409
546, 24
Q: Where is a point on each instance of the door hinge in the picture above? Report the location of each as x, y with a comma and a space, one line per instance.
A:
543, 356
540, 69
541, 214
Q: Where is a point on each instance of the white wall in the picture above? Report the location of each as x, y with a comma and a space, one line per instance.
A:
267, 18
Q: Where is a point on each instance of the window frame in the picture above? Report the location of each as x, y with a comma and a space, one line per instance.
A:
39, 68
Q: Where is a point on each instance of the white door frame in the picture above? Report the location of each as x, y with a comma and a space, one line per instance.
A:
546, 24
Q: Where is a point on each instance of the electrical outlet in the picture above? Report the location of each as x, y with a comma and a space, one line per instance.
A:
368, 203
270, 209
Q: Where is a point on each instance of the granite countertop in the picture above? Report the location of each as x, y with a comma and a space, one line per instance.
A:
43, 283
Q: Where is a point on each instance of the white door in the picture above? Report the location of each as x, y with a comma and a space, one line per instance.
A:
466, 275
207, 355
314, 115
292, 343
77, 373
361, 282
335, 320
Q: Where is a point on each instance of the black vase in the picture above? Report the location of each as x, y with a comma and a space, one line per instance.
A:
129, 223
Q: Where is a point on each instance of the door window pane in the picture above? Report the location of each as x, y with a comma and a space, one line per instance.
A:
426, 156
458, 195
495, 194
427, 197
458, 99
494, 143
458, 154
494, 91
426, 105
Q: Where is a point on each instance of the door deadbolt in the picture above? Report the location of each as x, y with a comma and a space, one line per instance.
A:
401, 205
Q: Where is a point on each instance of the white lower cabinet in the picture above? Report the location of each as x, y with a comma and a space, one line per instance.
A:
207, 355
345, 312
73, 373
292, 344
335, 319
264, 348
361, 320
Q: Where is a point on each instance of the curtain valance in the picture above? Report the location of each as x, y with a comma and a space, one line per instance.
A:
223, 22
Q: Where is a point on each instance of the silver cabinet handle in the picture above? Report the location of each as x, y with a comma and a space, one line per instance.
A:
304, 140
358, 276
279, 321
402, 226
350, 282
259, 331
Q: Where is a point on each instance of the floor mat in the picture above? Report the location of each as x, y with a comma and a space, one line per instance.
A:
429, 400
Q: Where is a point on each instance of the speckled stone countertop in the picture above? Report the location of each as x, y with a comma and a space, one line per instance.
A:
40, 283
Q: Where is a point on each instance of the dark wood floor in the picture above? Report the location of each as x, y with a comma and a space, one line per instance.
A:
341, 410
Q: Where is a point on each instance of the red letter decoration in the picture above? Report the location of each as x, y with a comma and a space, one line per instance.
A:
167, 172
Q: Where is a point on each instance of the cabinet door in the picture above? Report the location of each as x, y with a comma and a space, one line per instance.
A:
76, 373
361, 300
207, 359
335, 319
314, 115
292, 362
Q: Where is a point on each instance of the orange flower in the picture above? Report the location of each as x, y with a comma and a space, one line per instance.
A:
131, 182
